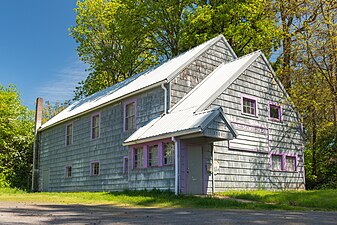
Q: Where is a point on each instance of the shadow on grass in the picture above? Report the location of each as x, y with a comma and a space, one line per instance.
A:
155, 198
314, 200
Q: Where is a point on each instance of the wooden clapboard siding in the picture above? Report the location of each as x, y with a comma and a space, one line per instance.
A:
107, 149
247, 169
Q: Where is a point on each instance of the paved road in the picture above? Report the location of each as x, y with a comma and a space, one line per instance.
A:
22, 213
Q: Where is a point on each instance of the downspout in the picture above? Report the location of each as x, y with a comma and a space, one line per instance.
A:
213, 181
176, 166
165, 97
38, 123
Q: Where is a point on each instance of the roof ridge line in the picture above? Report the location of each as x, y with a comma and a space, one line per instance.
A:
209, 44
232, 78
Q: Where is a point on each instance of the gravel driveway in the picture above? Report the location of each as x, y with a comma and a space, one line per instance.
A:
22, 213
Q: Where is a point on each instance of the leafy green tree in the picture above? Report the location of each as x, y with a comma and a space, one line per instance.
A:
294, 17
121, 38
16, 139
50, 110
247, 25
111, 40
308, 68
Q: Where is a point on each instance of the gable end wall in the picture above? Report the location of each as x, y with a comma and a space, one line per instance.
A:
242, 169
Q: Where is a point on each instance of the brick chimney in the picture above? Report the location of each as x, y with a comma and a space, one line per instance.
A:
38, 123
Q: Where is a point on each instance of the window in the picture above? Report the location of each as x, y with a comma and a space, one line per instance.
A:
94, 168
168, 153
290, 163
275, 112
249, 106
130, 116
68, 172
69, 134
95, 126
153, 156
138, 158
283, 162
276, 162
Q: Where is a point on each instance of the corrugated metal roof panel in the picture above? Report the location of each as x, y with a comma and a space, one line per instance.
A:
172, 123
133, 84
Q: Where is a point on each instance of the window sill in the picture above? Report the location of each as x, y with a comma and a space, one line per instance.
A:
284, 171
275, 120
94, 139
249, 115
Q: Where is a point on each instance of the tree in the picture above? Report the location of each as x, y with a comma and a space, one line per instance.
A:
50, 110
247, 25
16, 139
294, 18
121, 38
308, 70
111, 38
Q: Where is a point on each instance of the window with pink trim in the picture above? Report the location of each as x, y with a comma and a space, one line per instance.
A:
276, 162
290, 164
168, 153
283, 162
153, 155
249, 105
138, 157
275, 111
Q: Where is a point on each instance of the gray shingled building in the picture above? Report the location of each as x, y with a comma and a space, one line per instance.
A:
203, 122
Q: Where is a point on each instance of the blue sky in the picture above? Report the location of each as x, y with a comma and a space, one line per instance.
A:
36, 52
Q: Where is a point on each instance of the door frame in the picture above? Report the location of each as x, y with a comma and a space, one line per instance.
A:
203, 170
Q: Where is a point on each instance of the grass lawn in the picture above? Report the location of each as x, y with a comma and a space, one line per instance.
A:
260, 200
312, 200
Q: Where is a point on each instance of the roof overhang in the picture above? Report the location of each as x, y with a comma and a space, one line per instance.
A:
201, 130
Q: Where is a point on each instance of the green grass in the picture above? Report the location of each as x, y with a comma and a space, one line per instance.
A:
260, 200
313, 200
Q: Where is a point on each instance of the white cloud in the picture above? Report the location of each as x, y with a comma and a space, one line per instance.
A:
61, 87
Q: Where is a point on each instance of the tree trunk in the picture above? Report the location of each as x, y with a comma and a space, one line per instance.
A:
314, 140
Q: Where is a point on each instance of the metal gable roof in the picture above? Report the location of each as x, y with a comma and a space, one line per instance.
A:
177, 124
214, 84
187, 116
133, 85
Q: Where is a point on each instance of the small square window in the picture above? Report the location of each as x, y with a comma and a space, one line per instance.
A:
94, 168
249, 106
153, 156
291, 163
138, 158
130, 116
168, 153
275, 112
95, 124
69, 134
276, 162
68, 171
